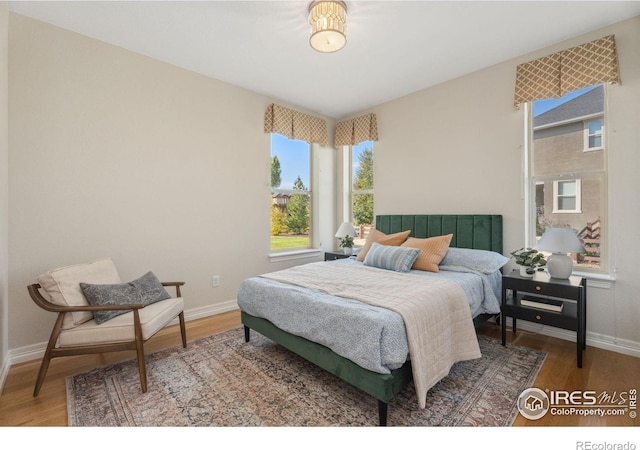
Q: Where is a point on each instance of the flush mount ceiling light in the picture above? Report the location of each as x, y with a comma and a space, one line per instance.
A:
328, 20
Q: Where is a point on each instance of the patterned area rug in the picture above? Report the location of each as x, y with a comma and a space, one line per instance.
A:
223, 381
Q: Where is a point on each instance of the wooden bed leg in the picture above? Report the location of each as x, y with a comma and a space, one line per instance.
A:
247, 330
382, 413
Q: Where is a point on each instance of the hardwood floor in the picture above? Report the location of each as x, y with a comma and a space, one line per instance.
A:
602, 371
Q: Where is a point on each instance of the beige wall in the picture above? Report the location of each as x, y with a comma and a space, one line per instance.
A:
457, 148
4, 191
115, 154
454, 148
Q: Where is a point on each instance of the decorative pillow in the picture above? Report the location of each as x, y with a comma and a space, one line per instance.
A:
62, 285
391, 257
484, 261
433, 250
145, 290
383, 239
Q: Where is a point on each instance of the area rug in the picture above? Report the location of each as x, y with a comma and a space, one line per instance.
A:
222, 381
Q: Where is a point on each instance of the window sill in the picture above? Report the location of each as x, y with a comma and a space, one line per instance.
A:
295, 254
598, 280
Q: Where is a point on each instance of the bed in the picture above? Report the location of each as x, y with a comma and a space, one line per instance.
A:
324, 326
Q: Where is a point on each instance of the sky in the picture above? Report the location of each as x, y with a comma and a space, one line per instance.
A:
542, 106
294, 158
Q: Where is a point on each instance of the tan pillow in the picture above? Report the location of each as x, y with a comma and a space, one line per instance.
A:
63, 286
433, 250
382, 239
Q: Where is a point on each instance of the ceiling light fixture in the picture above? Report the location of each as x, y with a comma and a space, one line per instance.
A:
328, 20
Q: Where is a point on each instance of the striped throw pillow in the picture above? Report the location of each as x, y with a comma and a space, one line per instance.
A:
391, 257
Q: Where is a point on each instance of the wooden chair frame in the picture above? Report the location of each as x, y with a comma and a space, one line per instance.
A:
137, 344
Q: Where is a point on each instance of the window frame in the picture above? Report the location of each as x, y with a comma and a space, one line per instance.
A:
587, 134
353, 192
604, 272
577, 196
290, 191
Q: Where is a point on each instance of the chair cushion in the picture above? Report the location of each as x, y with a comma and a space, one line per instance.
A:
153, 318
63, 286
145, 290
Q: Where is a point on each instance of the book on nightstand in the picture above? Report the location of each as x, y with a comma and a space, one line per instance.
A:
542, 303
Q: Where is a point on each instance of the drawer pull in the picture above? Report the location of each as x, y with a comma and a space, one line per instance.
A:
538, 288
538, 317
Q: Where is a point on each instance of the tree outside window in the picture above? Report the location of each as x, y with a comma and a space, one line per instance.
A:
362, 189
290, 197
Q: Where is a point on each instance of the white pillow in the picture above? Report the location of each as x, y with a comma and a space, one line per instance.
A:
63, 286
484, 261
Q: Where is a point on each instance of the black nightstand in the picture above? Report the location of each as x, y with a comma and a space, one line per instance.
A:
331, 256
570, 293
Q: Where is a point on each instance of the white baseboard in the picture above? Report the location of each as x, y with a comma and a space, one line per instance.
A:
36, 351
593, 339
4, 372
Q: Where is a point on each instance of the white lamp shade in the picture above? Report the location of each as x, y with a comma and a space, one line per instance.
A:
560, 240
346, 229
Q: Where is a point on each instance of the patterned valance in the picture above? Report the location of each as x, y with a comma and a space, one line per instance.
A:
569, 70
295, 125
354, 131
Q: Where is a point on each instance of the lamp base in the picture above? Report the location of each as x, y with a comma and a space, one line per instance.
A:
559, 265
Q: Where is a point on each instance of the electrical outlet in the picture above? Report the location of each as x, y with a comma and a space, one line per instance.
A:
215, 280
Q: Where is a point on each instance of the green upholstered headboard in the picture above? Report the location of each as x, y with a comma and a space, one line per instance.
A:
479, 231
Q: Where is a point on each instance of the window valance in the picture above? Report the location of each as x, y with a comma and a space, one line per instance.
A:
569, 70
295, 125
354, 131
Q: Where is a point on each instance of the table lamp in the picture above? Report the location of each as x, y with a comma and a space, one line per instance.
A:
560, 241
346, 229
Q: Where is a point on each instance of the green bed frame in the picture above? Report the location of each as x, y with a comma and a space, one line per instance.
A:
469, 231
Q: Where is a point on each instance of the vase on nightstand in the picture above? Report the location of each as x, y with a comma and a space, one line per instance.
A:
347, 250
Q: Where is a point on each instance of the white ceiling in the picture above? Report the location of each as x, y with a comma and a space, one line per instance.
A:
393, 48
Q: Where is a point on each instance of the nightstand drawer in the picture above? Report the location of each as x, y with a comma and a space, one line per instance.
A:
550, 318
560, 303
542, 288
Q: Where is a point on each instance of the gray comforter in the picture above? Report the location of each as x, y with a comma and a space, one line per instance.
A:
372, 337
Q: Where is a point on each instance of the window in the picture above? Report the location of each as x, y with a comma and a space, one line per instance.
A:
593, 134
362, 189
566, 196
290, 193
568, 172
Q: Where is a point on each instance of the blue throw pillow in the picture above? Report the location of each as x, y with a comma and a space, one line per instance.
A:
391, 257
145, 290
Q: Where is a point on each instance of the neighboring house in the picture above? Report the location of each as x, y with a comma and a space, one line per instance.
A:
280, 201
568, 143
